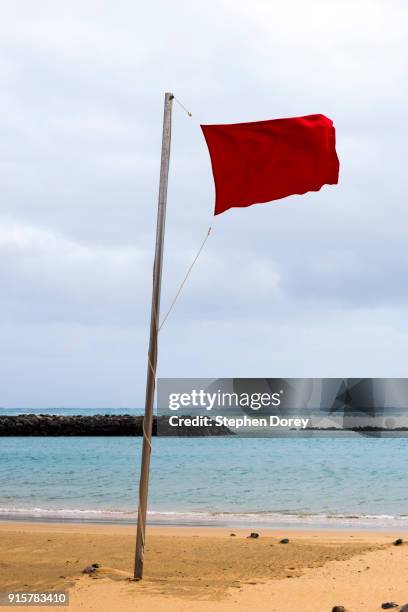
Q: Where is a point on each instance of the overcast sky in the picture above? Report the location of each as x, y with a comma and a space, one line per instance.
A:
313, 285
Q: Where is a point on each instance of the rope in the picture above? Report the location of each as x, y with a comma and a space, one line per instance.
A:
185, 279
182, 106
146, 439
153, 370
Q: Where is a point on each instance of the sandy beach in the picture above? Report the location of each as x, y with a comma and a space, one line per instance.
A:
198, 568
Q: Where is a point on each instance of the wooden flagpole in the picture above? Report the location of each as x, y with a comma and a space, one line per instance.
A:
154, 328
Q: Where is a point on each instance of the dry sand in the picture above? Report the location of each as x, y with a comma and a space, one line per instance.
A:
189, 569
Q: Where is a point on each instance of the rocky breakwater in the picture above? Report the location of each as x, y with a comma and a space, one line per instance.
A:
97, 425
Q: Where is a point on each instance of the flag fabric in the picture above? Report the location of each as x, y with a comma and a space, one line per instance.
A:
268, 160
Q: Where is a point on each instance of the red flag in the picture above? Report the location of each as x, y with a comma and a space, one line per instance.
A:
268, 160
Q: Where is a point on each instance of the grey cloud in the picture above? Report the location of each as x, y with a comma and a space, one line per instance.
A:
280, 288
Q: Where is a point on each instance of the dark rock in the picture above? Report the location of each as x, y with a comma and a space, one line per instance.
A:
339, 609
398, 542
284, 541
253, 535
388, 605
232, 534
89, 569
96, 565
404, 608
98, 425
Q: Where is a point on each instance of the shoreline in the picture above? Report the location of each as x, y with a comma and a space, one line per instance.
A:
276, 521
205, 568
267, 528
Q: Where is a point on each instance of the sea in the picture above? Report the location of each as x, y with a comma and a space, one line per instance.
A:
318, 482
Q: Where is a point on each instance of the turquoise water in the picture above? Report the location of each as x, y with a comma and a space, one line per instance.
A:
349, 481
